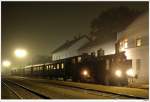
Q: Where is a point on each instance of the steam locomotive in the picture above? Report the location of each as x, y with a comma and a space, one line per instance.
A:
106, 69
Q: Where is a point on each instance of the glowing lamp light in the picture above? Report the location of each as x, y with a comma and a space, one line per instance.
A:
6, 63
85, 73
130, 73
118, 73
20, 53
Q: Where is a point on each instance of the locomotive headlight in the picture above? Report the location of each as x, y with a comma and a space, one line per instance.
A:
130, 73
118, 73
85, 72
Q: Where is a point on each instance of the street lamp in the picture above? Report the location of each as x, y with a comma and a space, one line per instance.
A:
20, 53
6, 63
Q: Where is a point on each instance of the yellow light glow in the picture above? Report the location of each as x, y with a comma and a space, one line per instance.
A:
62, 65
6, 63
79, 59
130, 73
126, 43
118, 73
85, 72
21, 53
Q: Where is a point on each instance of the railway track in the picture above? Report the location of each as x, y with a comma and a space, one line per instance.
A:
108, 95
12, 91
25, 91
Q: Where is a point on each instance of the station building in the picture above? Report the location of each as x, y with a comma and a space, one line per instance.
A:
134, 41
70, 48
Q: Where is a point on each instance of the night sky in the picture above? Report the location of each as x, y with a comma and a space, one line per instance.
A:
41, 27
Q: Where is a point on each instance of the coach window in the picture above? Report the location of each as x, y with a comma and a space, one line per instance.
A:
57, 66
62, 66
73, 60
79, 59
138, 42
96, 54
107, 64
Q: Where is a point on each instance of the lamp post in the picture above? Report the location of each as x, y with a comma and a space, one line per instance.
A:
20, 53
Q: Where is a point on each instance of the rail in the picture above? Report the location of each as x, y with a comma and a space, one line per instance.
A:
28, 89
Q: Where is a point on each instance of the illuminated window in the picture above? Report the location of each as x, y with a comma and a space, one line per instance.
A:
96, 54
138, 42
52, 66
57, 66
126, 43
79, 59
62, 66
47, 67
123, 45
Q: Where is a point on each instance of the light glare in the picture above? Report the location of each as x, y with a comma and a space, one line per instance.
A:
118, 73
6, 63
130, 73
20, 53
85, 73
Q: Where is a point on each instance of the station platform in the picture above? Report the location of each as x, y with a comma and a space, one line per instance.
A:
135, 92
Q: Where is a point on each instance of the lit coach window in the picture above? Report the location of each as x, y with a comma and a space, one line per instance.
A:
79, 59
57, 66
62, 66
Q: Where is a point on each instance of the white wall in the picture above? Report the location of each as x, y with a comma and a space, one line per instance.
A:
71, 51
139, 28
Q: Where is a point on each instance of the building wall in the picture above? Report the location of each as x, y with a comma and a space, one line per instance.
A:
139, 29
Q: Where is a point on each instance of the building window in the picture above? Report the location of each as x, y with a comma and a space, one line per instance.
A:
138, 42
121, 48
126, 43
123, 45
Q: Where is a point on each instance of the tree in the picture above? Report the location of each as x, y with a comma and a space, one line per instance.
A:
115, 19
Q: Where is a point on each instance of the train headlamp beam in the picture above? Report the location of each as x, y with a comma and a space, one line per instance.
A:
118, 73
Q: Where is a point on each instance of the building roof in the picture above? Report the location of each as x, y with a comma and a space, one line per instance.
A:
68, 43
